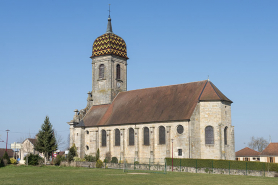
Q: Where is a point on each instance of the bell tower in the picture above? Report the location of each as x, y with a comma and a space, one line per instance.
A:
109, 67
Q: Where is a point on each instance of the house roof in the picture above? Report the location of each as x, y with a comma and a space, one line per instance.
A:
9, 151
33, 141
247, 152
158, 104
271, 150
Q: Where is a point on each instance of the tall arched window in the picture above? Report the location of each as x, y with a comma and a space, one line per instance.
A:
101, 71
131, 136
118, 73
117, 137
103, 138
161, 135
146, 136
209, 135
225, 135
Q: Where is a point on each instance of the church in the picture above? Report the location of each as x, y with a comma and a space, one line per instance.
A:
190, 120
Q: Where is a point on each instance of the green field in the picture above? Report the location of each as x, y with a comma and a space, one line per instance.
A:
71, 175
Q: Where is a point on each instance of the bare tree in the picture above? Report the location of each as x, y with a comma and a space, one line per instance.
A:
59, 140
258, 143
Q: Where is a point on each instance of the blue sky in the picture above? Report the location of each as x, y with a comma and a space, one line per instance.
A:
46, 70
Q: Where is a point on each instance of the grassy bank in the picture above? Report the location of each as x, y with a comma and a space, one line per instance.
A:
71, 175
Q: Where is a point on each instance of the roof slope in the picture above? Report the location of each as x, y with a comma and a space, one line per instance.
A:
9, 151
33, 141
158, 104
271, 149
247, 152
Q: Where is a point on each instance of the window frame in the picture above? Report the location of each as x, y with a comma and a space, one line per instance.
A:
101, 70
131, 136
118, 71
117, 137
209, 135
103, 138
146, 136
161, 133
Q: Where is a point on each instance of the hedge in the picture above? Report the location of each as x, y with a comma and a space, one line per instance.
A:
223, 164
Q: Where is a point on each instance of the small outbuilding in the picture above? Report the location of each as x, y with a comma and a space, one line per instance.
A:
247, 154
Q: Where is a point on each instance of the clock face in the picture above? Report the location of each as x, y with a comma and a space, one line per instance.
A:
118, 84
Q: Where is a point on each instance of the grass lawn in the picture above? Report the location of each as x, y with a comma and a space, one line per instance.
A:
71, 175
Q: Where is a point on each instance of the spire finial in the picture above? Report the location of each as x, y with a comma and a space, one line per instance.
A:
208, 77
109, 25
109, 11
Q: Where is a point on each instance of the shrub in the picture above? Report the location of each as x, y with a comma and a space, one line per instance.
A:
77, 159
72, 153
99, 164
57, 160
114, 160
97, 155
13, 161
136, 162
1, 162
5, 156
90, 158
108, 157
33, 159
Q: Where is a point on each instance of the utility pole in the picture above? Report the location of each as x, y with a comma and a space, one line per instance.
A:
7, 139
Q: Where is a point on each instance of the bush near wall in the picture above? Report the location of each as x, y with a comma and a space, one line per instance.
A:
223, 164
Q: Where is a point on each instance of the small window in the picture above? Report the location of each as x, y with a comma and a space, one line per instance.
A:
180, 129
209, 135
180, 152
237, 159
146, 136
87, 147
87, 132
161, 135
246, 159
225, 135
103, 138
258, 159
271, 159
131, 136
101, 71
117, 137
118, 75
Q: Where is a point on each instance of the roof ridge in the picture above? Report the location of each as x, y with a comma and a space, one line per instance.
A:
212, 85
161, 86
202, 90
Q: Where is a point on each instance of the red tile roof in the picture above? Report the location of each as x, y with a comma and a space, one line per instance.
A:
158, 104
271, 150
9, 151
247, 152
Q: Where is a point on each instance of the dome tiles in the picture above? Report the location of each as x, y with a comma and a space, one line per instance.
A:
109, 43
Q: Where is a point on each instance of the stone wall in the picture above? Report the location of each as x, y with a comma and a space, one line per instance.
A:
104, 90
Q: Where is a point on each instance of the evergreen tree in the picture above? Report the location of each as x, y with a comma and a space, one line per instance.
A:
6, 156
46, 142
72, 153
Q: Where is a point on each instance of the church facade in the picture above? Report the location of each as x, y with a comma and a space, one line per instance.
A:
191, 120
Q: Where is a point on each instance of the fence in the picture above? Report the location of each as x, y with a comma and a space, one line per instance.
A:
221, 166
156, 165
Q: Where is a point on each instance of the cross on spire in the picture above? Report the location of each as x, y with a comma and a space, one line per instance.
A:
109, 10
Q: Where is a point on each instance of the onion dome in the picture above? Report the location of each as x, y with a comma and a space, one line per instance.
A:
109, 43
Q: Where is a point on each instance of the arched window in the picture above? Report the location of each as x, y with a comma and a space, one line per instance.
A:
101, 71
118, 74
209, 135
146, 136
117, 137
225, 135
103, 138
131, 136
161, 135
